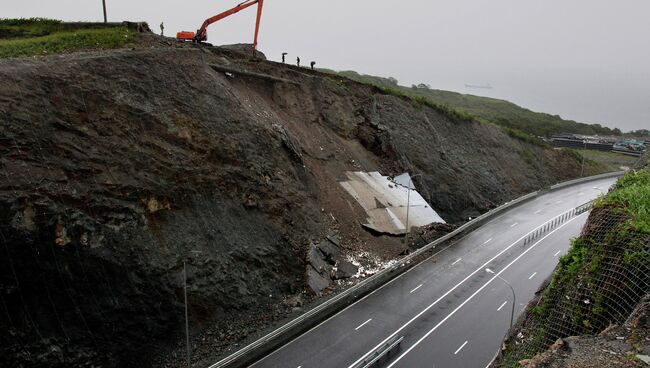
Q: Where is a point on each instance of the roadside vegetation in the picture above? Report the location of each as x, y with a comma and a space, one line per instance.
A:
38, 36
519, 122
612, 251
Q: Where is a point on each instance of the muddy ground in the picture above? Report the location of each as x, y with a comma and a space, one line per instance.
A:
118, 166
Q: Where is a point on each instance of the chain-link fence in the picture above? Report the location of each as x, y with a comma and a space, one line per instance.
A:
598, 283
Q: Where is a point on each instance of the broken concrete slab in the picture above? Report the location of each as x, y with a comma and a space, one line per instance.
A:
387, 202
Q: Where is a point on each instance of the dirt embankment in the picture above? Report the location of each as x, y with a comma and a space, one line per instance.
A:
118, 166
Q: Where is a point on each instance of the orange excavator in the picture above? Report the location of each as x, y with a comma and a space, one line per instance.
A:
201, 34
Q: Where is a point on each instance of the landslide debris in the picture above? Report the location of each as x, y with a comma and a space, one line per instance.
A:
120, 166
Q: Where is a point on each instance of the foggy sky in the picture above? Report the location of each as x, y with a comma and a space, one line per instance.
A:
587, 60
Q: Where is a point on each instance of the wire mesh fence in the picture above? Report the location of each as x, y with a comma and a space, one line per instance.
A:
598, 283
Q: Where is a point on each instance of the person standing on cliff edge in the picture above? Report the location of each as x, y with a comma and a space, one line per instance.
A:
162, 29
298, 61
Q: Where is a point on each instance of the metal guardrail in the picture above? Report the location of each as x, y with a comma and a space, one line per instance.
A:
285, 333
382, 351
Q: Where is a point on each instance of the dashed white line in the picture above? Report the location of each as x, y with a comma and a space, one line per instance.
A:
399, 358
502, 305
515, 224
456, 261
363, 324
460, 348
487, 241
538, 212
417, 287
556, 253
533, 275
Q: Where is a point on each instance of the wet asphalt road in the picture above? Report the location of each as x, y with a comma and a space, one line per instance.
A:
450, 312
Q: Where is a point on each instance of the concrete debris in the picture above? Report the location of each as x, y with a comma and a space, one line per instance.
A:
386, 202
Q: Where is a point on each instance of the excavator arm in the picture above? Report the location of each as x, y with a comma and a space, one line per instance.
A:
202, 33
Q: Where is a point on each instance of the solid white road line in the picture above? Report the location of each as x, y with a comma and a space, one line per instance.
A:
481, 268
502, 305
487, 241
533, 275
475, 293
556, 253
515, 224
363, 324
460, 348
417, 287
456, 261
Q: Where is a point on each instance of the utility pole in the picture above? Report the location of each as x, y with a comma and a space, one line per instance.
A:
514, 298
582, 167
408, 206
104, 6
187, 324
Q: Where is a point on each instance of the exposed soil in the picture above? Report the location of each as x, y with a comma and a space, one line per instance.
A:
622, 346
118, 166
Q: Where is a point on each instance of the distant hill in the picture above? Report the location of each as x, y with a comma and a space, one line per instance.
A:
487, 109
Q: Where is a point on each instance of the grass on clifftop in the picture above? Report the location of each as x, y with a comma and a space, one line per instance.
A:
632, 192
36, 36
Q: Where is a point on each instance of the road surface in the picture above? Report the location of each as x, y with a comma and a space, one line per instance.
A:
450, 312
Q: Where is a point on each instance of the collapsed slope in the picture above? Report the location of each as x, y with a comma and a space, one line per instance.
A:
118, 166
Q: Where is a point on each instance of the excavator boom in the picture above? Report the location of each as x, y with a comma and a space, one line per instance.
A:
202, 34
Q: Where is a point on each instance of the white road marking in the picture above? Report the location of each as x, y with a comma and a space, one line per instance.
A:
533, 275
556, 253
538, 212
481, 268
466, 300
363, 324
558, 202
515, 224
417, 287
487, 241
460, 348
456, 261
502, 305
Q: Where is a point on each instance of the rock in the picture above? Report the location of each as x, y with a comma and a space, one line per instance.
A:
316, 260
330, 250
316, 281
344, 270
644, 358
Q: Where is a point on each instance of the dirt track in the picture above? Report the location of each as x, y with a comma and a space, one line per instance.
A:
117, 166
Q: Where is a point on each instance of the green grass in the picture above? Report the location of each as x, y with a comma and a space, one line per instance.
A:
519, 122
632, 193
30, 37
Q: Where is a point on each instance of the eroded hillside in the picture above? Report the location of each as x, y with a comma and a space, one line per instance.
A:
118, 166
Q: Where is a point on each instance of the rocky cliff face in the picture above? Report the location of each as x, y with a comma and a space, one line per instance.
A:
118, 166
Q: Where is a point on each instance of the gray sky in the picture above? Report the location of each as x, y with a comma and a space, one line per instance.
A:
587, 60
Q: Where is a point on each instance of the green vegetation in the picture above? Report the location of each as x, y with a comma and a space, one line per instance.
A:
37, 36
632, 193
519, 122
581, 287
